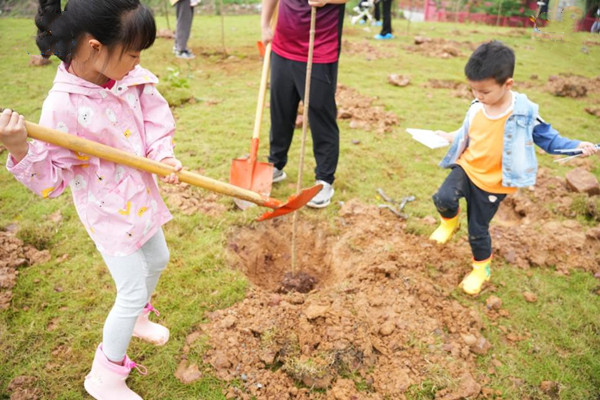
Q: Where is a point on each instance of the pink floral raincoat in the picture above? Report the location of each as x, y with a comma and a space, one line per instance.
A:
120, 207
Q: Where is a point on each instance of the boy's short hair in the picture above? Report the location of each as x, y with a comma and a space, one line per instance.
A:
491, 60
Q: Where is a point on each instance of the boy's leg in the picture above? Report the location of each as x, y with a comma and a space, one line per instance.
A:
446, 201
481, 208
284, 108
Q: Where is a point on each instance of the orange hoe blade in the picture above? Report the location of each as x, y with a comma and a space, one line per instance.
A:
118, 156
294, 202
248, 173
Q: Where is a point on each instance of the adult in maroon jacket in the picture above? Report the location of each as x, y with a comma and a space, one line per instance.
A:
288, 74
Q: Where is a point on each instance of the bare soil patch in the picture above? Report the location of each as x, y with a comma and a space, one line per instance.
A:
364, 49
572, 85
439, 47
459, 89
13, 256
361, 111
191, 200
381, 315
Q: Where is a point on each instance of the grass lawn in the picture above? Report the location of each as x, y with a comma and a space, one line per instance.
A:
58, 308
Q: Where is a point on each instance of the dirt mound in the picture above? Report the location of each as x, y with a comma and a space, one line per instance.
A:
191, 200
438, 47
24, 388
361, 112
364, 49
459, 89
380, 313
525, 234
571, 85
14, 255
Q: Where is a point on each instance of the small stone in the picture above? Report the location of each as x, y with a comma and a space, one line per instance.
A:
582, 181
398, 80
481, 347
228, 321
316, 310
552, 389
469, 339
429, 220
530, 297
493, 303
387, 328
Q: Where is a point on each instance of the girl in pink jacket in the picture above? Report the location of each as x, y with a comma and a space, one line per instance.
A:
102, 94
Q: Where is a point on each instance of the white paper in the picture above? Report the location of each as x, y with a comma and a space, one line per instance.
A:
428, 138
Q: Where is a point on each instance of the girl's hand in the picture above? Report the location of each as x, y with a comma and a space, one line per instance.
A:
317, 3
13, 134
172, 161
587, 149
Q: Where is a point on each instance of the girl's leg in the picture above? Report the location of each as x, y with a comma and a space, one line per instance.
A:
156, 253
135, 277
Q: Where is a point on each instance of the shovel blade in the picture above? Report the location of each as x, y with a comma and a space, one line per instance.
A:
294, 202
257, 177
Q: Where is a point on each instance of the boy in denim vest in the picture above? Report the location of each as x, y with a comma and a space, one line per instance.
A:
492, 154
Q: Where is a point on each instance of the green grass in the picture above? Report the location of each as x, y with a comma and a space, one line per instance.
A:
75, 295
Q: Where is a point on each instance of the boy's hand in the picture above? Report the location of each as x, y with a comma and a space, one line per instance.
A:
448, 136
13, 134
587, 149
172, 161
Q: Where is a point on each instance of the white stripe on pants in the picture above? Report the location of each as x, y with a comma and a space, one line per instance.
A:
135, 277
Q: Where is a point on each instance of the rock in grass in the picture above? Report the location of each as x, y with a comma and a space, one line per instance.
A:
582, 181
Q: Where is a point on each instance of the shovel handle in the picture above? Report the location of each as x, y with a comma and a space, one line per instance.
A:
109, 153
262, 92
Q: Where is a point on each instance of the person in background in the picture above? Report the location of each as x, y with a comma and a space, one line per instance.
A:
290, 43
492, 154
596, 25
386, 27
184, 9
101, 93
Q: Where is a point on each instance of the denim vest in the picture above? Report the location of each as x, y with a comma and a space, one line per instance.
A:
523, 129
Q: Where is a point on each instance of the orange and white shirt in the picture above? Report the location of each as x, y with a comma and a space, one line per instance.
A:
482, 159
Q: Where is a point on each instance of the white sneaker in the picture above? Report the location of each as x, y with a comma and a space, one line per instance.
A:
185, 54
278, 175
323, 198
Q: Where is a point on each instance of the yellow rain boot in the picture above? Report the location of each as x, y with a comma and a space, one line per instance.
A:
447, 227
481, 273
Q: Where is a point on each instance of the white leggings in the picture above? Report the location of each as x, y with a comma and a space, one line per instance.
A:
135, 276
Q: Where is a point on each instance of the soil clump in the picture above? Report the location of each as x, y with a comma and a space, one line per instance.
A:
14, 254
572, 85
192, 200
361, 112
438, 47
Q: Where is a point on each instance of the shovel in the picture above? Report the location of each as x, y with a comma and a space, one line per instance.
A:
248, 173
105, 152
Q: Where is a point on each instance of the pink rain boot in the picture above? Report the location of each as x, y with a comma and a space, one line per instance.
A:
106, 380
148, 330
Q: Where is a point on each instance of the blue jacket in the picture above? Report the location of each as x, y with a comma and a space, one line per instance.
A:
523, 128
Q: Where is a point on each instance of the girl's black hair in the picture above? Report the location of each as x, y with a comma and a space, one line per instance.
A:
111, 22
491, 60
